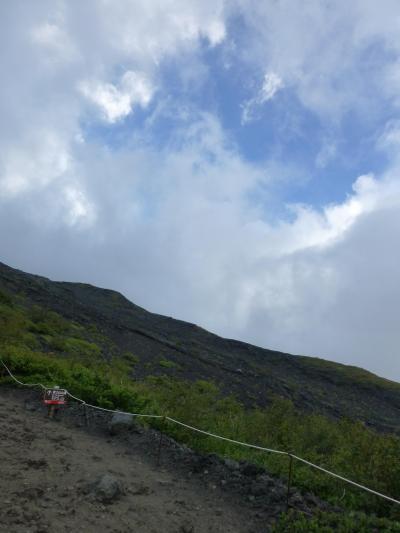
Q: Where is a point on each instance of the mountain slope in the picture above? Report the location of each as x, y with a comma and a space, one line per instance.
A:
162, 345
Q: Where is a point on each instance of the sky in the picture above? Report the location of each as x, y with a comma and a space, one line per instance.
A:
234, 163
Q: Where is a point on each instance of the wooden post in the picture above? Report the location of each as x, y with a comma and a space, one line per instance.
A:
289, 481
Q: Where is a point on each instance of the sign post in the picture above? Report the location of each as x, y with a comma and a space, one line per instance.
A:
53, 398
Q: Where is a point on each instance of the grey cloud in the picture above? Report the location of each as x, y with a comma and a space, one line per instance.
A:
175, 229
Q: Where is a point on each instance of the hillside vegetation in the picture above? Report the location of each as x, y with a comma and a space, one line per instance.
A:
41, 345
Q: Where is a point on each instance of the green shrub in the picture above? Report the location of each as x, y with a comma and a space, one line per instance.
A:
166, 363
130, 358
295, 522
85, 383
6, 298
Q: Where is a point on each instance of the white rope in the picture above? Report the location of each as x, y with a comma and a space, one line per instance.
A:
20, 382
345, 479
75, 398
284, 453
226, 438
192, 428
112, 410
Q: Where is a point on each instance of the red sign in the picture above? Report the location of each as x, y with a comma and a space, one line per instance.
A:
55, 396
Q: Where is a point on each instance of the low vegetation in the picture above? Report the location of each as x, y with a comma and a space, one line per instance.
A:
40, 345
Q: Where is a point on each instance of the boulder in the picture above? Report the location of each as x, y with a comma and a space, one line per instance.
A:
122, 423
107, 489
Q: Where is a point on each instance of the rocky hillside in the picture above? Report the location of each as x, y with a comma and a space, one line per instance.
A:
160, 345
59, 475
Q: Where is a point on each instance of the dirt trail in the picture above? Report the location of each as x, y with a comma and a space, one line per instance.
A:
48, 466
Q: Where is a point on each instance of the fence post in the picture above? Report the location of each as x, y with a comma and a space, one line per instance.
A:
86, 415
289, 481
160, 442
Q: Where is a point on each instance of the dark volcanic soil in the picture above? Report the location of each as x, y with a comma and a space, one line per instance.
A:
48, 468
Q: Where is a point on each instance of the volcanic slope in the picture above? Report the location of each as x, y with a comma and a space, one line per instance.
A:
164, 346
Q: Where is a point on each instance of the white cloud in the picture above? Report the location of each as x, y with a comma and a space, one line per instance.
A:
323, 51
79, 210
389, 140
216, 31
272, 83
177, 228
194, 247
35, 163
55, 42
118, 102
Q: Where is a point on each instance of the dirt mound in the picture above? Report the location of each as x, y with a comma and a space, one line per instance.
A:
61, 475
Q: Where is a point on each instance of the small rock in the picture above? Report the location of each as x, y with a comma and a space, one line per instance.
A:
265, 479
296, 499
187, 527
30, 406
32, 493
107, 488
277, 495
164, 482
251, 470
231, 464
258, 489
311, 499
36, 464
141, 489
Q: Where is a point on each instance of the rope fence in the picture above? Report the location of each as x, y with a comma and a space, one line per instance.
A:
213, 435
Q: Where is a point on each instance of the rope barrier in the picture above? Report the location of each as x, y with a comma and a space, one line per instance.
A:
192, 428
346, 480
20, 382
111, 410
225, 438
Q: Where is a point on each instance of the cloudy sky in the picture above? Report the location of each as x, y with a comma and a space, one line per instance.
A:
231, 163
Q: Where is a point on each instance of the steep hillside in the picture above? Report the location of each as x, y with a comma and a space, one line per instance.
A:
158, 345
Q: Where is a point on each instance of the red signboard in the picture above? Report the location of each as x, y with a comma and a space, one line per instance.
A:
55, 396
